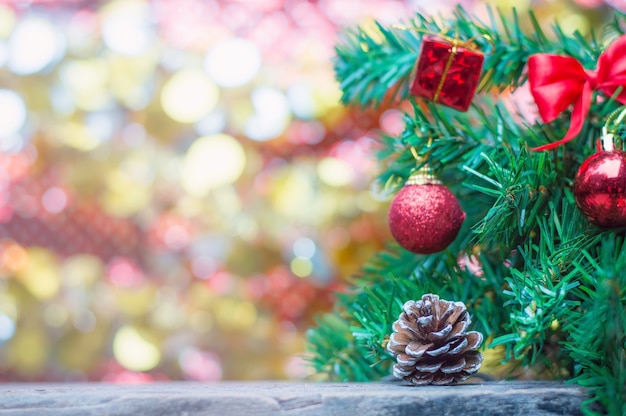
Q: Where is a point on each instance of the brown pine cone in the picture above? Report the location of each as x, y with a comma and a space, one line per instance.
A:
430, 343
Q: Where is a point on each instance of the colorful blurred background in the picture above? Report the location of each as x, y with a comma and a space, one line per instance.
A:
180, 190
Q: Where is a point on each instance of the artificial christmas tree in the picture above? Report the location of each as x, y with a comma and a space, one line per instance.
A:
550, 293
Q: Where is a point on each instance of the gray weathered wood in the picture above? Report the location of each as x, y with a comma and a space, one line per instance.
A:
283, 398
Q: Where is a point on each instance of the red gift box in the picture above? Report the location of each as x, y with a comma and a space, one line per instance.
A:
447, 73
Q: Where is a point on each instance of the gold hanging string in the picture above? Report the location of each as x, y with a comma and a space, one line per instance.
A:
423, 175
419, 159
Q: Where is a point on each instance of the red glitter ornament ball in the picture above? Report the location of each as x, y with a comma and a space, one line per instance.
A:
425, 218
600, 188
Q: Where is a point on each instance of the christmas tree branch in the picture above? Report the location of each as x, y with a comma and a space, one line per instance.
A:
540, 290
597, 330
369, 64
521, 193
374, 65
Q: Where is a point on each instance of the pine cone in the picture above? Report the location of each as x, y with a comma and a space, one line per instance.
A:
430, 343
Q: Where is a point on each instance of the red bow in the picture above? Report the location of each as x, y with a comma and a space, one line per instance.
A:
558, 81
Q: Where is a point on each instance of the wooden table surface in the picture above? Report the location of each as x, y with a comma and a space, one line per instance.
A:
290, 398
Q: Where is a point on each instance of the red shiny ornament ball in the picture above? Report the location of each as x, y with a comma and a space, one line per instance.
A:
425, 219
600, 188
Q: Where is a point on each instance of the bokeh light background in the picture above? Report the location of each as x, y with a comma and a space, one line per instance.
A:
180, 191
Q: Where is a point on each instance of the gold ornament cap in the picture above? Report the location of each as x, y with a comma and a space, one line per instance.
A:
422, 176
